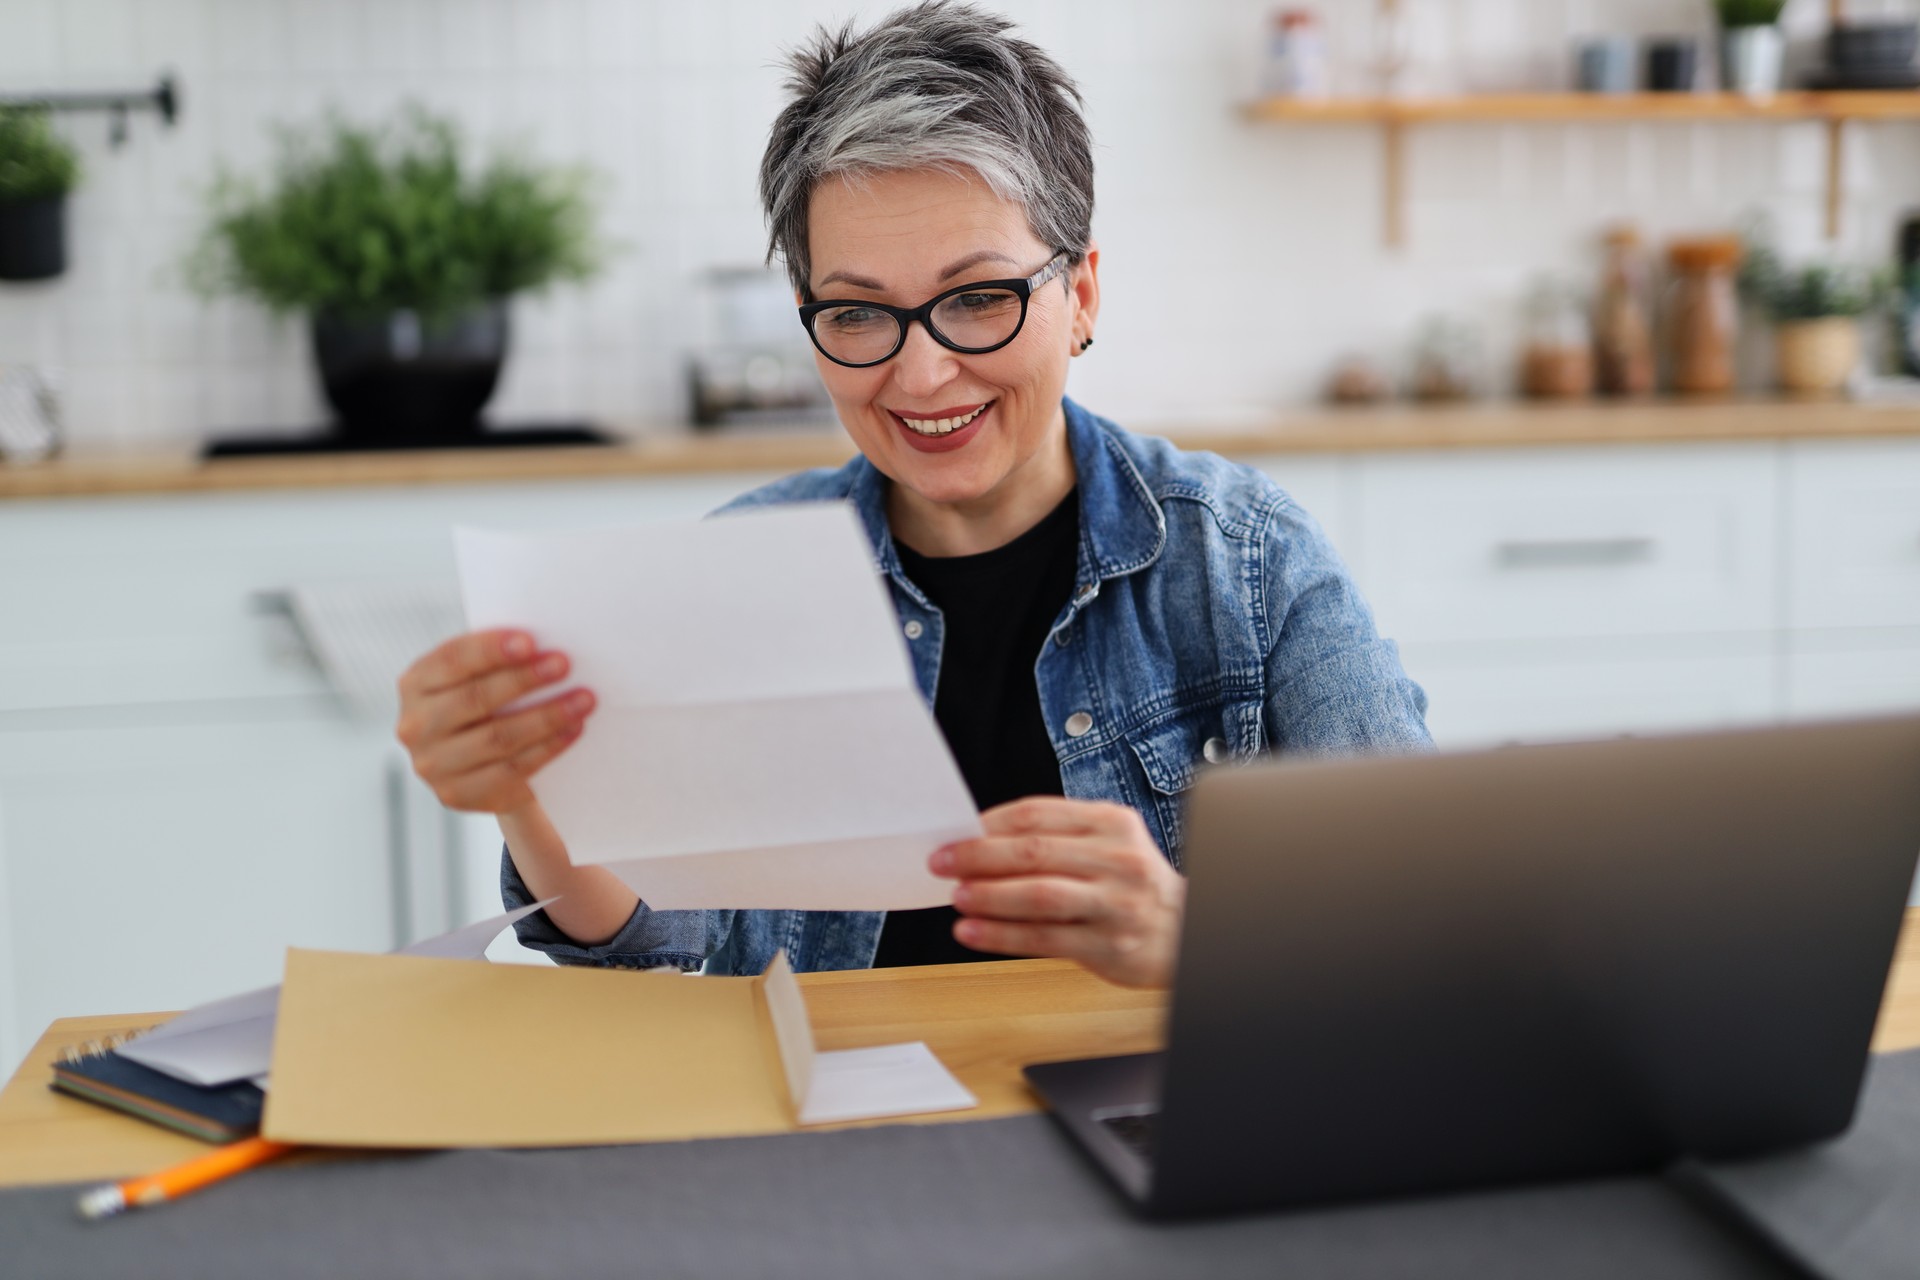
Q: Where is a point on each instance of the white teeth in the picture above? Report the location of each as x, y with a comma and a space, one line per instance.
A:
941, 426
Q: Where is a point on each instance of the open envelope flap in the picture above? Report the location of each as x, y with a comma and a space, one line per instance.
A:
401, 1051
851, 1084
792, 1029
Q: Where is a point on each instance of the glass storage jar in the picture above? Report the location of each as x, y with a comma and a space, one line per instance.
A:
1702, 315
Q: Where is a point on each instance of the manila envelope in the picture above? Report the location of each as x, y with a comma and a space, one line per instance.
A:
401, 1051
394, 1051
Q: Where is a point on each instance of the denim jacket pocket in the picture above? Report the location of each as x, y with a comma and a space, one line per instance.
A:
1174, 749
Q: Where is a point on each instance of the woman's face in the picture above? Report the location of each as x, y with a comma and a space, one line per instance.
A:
901, 238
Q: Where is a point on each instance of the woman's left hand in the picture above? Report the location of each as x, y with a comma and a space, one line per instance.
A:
1074, 879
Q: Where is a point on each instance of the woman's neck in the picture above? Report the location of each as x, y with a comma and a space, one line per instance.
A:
1022, 500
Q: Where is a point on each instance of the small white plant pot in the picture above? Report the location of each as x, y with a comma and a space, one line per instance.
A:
1751, 60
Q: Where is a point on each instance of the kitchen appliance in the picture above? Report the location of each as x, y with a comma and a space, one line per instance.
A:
751, 361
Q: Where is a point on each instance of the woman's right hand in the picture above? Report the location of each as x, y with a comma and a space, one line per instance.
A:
473, 756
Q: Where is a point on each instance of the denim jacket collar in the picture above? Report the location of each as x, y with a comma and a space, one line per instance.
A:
1122, 529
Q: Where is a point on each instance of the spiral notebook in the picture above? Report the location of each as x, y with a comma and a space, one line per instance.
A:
98, 1073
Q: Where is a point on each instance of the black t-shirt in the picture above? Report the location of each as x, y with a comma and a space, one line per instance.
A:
999, 607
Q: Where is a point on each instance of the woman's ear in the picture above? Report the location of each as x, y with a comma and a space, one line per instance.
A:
1084, 289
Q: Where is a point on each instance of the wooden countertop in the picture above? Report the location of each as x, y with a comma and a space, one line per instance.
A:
84, 472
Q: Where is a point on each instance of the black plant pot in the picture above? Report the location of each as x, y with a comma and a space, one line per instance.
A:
33, 238
403, 377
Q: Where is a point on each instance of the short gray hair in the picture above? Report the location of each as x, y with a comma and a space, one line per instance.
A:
938, 85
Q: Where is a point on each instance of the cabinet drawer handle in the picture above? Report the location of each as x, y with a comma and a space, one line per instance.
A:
1562, 553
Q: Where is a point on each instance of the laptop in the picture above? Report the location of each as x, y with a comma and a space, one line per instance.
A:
1423, 974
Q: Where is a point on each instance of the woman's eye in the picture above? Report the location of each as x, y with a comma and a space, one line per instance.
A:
852, 318
980, 306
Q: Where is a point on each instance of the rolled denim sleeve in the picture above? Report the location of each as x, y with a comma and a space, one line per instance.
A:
1334, 685
649, 939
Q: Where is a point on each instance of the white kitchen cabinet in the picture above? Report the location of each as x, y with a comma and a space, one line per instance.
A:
1570, 543
1834, 674
118, 601
1854, 524
1489, 695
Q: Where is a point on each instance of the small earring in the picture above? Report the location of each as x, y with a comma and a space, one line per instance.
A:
1084, 346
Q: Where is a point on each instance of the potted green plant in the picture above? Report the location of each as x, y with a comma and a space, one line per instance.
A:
402, 254
37, 170
1752, 46
1816, 311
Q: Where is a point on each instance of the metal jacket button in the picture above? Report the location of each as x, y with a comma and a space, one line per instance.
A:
1215, 751
1078, 723
914, 630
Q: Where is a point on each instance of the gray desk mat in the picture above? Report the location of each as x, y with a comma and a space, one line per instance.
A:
1001, 1198
1850, 1209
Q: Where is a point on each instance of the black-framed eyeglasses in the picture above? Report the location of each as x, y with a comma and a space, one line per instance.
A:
972, 319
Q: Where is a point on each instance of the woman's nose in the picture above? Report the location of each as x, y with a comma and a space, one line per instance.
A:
923, 365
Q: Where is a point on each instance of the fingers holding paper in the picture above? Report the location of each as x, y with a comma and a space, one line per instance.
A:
464, 743
1071, 879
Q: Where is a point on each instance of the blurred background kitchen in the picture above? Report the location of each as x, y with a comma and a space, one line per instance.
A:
1582, 324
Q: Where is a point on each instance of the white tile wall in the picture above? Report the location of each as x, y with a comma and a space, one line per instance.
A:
1239, 260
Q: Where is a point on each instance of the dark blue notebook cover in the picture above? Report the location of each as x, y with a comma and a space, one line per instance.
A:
222, 1113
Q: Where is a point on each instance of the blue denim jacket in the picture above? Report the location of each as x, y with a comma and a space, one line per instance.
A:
1211, 620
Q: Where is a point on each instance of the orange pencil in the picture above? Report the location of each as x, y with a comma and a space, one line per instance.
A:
181, 1179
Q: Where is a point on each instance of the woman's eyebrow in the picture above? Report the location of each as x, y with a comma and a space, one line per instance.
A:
973, 260
967, 263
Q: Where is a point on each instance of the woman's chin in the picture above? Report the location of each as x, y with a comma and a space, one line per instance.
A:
944, 483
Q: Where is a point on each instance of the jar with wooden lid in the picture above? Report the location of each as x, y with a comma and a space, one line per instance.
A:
1702, 326
1623, 318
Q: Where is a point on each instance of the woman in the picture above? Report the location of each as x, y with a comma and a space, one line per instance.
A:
1092, 614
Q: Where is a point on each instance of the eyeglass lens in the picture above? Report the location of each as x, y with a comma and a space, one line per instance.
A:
976, 319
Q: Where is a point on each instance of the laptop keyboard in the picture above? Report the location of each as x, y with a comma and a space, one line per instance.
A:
1133, 1126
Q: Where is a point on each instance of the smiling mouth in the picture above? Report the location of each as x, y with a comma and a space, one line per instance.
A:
941, 426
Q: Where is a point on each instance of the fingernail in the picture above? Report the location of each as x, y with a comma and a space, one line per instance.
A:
961, 896
518, 646
580, 700
550, 667
941, 862
967, 931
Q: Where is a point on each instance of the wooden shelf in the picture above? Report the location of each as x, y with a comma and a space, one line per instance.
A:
1589, 108
1395, 115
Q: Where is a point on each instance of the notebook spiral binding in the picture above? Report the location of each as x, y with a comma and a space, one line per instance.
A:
84, 1049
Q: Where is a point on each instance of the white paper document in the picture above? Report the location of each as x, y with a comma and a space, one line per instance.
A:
232, 1039
852, 1084
760, 740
